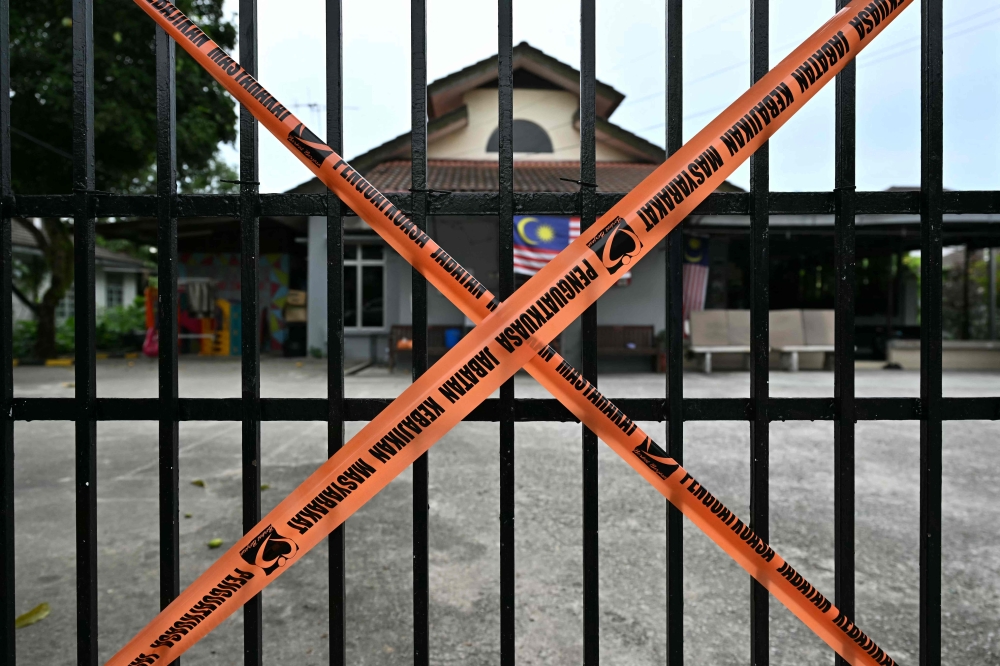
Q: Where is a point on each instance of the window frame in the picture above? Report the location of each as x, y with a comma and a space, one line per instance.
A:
357, 263
108, 275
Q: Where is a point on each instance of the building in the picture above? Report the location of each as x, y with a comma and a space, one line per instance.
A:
209, 252
463, 157
119, 278
463, 145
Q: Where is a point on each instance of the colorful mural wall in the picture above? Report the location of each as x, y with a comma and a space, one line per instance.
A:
224, 270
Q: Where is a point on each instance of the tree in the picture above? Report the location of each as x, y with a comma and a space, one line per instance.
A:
124, 117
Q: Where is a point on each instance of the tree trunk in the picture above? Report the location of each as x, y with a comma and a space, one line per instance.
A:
59, 257
45, 343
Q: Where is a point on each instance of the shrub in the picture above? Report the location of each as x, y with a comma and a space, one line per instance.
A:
24, 338
65, 336
121, 327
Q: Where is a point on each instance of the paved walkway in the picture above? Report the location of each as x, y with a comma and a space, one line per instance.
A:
464, 542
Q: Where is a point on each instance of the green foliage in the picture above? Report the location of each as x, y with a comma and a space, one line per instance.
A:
121, 327
661, 340
28, 273
911, 263
36, 614
126, 247
118, 329
124, 89
124, 97
66, 336
23, 341
26, 332
954, 313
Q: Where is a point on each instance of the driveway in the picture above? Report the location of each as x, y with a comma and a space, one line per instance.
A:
464, 528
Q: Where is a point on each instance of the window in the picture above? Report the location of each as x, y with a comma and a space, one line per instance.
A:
528, 138
67, 306
114, 290
364, 286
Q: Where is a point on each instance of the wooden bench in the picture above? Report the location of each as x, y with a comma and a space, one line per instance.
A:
793, 332
626, 341
719, 332
401, 342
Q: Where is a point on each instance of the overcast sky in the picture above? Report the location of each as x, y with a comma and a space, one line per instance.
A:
630, 52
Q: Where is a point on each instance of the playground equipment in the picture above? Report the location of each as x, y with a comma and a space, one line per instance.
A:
213, 323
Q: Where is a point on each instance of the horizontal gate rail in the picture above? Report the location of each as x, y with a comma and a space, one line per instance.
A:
525, 409
968, 202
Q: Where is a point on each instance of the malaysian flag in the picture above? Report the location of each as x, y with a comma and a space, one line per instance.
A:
695, 274
539, 238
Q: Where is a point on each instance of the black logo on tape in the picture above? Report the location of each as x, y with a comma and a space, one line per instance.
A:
616, 244
269, 550
655, 458
309, 144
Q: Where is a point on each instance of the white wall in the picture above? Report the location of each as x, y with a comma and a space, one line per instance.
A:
316, 285
130, 290
553, 110
100, 288
129, 286
357, 345
643, 302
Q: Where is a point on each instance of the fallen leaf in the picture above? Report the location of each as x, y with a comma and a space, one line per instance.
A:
69, 384
265, 486
36, 614
187, 515
215, 543
388, 649
198, 482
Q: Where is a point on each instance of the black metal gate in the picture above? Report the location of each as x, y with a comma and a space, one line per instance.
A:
85, 204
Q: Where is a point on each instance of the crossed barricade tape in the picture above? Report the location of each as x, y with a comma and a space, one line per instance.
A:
511, 335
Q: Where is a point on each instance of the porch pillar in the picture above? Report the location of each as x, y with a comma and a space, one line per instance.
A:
316, 285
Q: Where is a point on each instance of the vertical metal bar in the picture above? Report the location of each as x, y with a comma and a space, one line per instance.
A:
418, 148
166, 188
588, 213
991, 294
86, 379
675, 340
843, 372
335, 319
250, 323
931, 205
505, 248
7, 608
759, 343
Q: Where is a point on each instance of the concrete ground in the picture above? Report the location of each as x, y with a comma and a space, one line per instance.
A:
464, 543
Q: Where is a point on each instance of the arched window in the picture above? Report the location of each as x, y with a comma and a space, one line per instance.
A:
528, 138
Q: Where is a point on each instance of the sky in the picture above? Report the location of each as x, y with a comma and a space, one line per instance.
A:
630, 55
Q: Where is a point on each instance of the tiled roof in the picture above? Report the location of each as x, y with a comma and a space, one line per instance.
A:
21, 237
482, 176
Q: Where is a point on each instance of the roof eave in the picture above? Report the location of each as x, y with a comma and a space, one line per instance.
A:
629, 143
525, 55
397, 148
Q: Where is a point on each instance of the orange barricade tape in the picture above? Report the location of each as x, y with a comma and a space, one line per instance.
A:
515, 335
